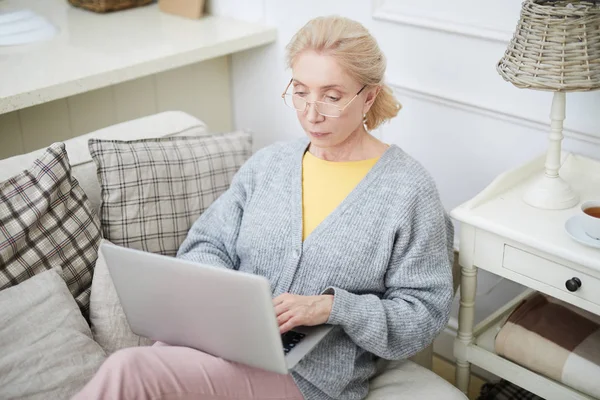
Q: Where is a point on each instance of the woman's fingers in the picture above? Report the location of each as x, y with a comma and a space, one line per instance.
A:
289, 325
281, 308
284, 317
293, 311
280, 304
277, 300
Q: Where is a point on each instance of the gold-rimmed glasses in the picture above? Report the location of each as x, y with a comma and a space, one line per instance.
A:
325, 109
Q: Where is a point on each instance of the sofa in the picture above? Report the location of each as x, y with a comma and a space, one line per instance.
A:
57, 325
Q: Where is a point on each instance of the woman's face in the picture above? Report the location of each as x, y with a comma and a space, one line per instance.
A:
319, 78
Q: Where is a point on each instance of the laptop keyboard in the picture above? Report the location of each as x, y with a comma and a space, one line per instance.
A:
290, 339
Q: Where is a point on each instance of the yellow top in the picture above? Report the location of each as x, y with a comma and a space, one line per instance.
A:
325, 184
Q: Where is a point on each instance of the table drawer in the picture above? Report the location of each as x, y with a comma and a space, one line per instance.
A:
551, 273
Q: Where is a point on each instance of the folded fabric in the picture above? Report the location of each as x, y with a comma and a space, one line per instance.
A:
554, 340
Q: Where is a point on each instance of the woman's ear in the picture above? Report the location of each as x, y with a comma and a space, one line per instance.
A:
370, 99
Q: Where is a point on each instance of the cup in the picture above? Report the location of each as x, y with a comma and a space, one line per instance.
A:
591, 218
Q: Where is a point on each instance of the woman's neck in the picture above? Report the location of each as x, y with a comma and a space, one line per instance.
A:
360, 145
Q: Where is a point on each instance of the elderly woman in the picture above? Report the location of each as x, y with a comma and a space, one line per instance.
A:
349, 231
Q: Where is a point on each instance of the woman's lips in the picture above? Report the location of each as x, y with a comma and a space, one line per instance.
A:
319, 134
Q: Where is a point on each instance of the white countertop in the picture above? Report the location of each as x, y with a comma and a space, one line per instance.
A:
94, 50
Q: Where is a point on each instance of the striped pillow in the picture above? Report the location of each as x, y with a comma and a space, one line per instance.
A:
153, 190
45, 222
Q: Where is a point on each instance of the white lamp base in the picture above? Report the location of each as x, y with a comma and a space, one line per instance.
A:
551, 193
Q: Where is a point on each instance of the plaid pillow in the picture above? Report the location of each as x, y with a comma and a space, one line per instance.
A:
46, 221
153, 190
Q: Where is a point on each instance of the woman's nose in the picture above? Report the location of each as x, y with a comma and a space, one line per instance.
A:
311, 113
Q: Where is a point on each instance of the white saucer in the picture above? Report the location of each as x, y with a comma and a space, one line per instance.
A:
574, 229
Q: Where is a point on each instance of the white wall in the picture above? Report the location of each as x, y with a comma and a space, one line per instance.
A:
460, 118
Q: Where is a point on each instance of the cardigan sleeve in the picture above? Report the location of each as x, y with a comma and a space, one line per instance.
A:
416, 304
212, 238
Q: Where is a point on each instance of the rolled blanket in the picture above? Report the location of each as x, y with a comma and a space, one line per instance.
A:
556, 340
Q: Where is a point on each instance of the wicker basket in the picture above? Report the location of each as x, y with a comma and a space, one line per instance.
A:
102, 6
556, 47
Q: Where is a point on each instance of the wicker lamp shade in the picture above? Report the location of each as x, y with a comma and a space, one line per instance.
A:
556, 47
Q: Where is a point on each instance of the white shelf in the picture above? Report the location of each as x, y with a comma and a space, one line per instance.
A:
520, 376
94, 50
482, 354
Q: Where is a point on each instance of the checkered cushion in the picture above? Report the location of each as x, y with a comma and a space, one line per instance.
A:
153, 190
45, 222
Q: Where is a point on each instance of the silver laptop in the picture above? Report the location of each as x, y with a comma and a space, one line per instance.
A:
226, 313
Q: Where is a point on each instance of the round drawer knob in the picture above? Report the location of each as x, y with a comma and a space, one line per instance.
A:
573, 284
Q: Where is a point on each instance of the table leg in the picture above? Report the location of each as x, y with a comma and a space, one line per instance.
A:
466, 317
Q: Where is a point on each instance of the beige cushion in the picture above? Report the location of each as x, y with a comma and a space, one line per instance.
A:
405, 380
46, 347
109, 324
153, 190
168, 123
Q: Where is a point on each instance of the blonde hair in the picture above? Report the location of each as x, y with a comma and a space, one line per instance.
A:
357, 52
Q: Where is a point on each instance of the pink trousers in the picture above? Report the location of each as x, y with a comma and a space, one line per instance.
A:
168, 372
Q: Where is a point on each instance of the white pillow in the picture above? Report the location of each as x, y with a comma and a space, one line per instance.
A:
46, 346
109, 324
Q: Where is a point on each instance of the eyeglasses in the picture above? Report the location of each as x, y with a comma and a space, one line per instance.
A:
325, 109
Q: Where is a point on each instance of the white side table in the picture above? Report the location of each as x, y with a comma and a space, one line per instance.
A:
502, 234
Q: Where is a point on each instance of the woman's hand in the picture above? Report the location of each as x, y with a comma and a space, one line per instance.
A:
294, 310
